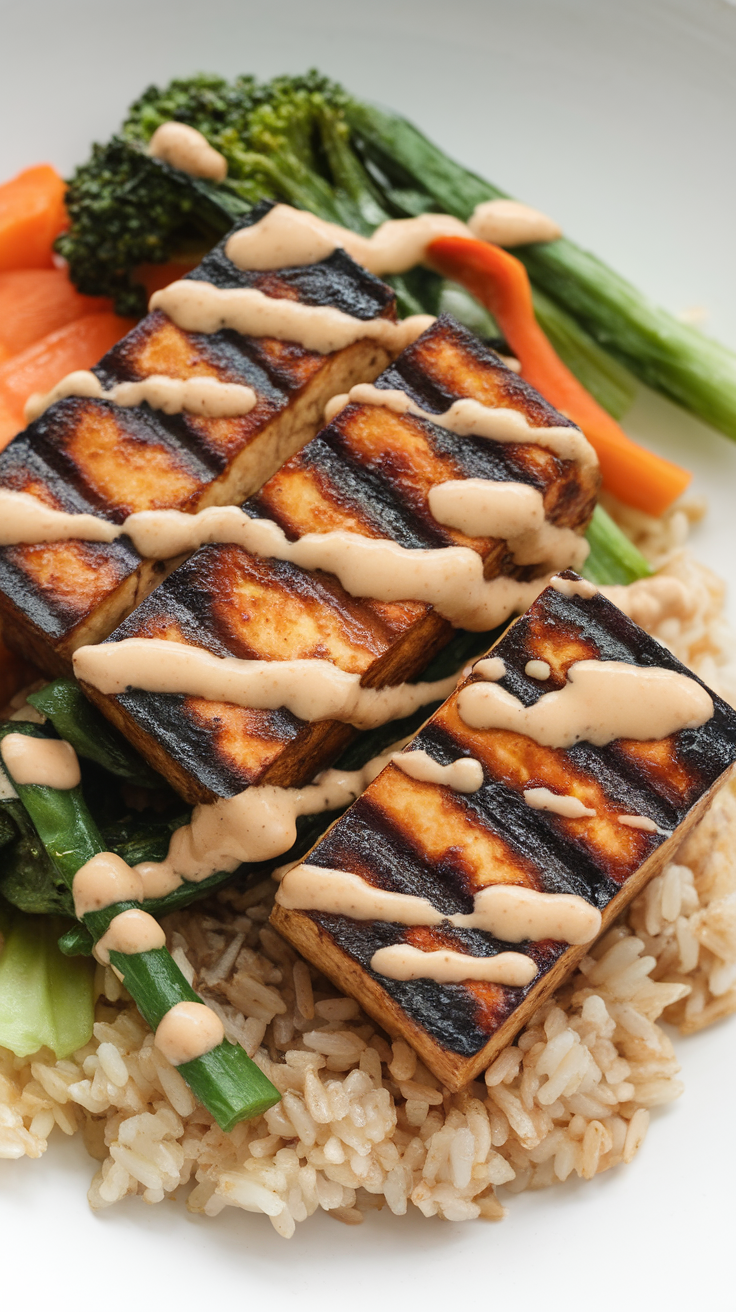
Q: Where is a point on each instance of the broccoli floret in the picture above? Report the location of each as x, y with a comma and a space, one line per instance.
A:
127, 209
285, 140
207, 103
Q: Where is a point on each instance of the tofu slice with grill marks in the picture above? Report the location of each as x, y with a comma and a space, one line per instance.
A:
369, 471
90, 456
407, 836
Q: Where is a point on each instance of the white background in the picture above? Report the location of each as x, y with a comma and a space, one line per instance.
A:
618, 119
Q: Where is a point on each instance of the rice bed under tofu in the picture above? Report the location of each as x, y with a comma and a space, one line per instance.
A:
362, 1124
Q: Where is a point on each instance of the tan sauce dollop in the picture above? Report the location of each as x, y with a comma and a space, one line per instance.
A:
255, 825
464, 775
542, 799
574, 587
189, 1030
287, 237
537, 670
601, 701
48, 762
482, 507
508, 222
131, 932
104, 880
187, 149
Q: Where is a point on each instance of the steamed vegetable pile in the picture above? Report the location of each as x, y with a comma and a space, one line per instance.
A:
130, 223
122, 806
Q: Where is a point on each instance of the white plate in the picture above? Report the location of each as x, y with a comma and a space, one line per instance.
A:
617, 119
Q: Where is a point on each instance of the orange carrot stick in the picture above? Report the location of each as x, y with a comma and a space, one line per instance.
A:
31, 216
35, 302
500, 282
40, 367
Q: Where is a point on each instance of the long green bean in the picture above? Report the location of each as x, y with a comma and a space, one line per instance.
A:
226, 1081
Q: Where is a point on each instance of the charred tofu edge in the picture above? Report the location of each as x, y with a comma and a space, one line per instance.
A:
456, 1071
363, 479
321, 948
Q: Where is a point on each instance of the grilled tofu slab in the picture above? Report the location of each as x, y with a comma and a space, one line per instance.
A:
369, 471
426, 839
91, 456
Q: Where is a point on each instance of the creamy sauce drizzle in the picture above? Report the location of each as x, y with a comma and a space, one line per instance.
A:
25, 519
602, 701
401, 961
470, 418
448, 578
573, 587
189, 1030
131, 932
195, 396
48, 762
104, 880
541, 799
643, 822
287, 237
310, 689
481, 507
255, 825
464, 775
511, 223
509, 912
491, 668
187, 149
537, 670
200, 307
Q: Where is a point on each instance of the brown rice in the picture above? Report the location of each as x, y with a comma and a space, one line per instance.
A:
362, 1124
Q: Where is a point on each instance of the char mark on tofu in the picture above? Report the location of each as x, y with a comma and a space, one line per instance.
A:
407, 836
370, 471
90, 456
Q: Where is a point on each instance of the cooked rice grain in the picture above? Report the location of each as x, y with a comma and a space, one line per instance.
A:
362, 1123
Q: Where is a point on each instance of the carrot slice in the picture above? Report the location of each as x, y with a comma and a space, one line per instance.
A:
10, 424
31, 216
35, 302
157, 276
40, 367
500, 282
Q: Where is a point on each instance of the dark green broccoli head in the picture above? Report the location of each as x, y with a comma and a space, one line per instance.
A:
127, 209
284, 140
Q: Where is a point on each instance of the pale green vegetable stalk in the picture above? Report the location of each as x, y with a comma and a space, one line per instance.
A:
46, 999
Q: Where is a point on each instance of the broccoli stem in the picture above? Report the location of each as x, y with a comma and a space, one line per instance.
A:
225, 1080
675, 359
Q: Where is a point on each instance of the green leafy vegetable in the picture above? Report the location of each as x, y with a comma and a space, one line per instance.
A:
90, 734
226, 1081
46, 1000
613, 558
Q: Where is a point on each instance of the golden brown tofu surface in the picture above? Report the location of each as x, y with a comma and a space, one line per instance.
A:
426, 839
369, 471
90, 456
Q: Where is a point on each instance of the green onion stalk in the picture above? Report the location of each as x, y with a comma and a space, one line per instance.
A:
689, 368
225, 1080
